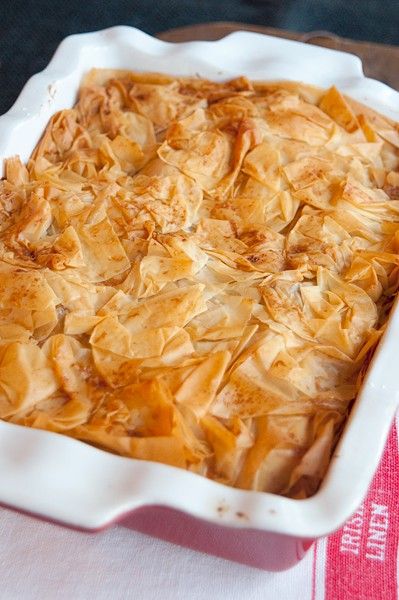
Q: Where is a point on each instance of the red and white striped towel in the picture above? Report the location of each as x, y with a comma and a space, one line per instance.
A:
361, 560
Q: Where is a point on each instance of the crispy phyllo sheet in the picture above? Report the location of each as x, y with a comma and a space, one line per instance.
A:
197, 273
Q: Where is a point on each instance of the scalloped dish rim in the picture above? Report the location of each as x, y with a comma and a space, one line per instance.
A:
81, 486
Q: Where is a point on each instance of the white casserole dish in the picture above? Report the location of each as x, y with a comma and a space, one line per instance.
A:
64, 480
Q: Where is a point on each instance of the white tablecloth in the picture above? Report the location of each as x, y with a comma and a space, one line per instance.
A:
43, 561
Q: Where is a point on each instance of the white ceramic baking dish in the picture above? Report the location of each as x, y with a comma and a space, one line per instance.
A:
64, 480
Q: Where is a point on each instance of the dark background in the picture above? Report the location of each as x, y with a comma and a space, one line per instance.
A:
30, 30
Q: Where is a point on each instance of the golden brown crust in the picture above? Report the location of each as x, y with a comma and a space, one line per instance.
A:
197, 273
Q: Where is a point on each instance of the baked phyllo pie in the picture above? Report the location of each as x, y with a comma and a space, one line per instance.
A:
197, 273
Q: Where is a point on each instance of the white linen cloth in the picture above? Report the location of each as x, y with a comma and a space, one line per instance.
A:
40, 560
